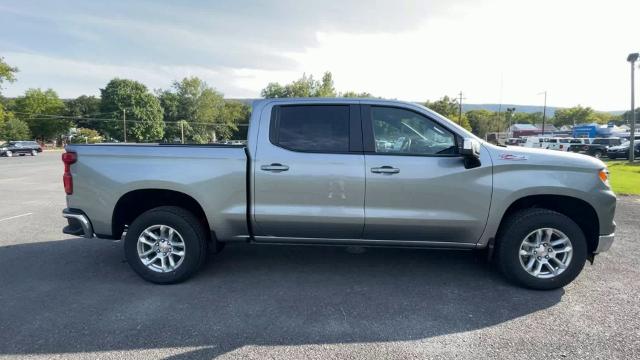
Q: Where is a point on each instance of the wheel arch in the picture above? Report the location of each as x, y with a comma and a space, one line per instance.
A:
133, 203
578, 210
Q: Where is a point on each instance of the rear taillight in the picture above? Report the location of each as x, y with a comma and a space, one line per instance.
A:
68, 158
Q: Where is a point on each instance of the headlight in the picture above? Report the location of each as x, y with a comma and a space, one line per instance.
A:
3, 149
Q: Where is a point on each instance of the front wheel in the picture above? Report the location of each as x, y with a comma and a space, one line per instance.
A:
166, 245
34, 153
597, 154
541, 249
9, 154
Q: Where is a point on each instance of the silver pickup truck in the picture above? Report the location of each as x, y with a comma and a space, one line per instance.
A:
344, 172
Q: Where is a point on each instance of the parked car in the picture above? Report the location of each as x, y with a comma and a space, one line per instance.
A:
12, 148
562, 144
622, 151
515, 141
597, 148
535, 142
343, 172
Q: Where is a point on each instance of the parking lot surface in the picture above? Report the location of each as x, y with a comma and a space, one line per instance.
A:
67, 297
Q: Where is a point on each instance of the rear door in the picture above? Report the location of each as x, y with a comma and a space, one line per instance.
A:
309, 172
417, 187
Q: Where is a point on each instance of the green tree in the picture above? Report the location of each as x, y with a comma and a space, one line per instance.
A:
354, 94
201, 108
86, 136
326, 88
625, 119
7, 72
238, 114
482, 121
526, 118
84, 107
306, 86
574, 116
445, 106
122, 97
42, 110
14, 129
448, 107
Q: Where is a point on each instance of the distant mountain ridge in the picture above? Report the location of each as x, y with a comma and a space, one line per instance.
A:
527, 109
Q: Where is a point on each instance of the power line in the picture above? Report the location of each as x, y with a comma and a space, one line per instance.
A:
142, 121
64, 117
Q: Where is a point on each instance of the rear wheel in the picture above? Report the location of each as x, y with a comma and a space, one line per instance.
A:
166, 245
541, 249
597, 154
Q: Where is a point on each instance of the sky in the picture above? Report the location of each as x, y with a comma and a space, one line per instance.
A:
494, 51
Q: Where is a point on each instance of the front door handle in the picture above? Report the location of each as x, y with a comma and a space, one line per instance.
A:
385, 170
275, 167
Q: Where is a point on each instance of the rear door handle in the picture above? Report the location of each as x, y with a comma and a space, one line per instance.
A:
385, 170
275, 167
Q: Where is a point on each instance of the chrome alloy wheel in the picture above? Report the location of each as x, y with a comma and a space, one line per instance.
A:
161, 248
546, 253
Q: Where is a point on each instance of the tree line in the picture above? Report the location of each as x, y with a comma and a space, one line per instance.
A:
192, 111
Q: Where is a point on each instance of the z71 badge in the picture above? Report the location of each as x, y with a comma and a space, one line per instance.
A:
513, 157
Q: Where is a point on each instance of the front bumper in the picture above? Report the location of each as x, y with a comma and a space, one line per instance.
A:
79, 224
604, 243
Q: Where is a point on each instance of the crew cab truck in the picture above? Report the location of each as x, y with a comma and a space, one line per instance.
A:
343, 172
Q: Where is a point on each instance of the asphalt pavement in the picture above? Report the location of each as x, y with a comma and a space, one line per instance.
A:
68, 297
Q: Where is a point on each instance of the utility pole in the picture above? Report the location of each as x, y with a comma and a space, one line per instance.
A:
182, 131
632, 132
544, 110
124, 123
510, 111
460, 108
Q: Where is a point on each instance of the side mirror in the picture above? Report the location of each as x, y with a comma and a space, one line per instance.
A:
471, 148
471, 153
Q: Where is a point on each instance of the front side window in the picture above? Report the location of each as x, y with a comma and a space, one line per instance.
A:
399, 131
313, 128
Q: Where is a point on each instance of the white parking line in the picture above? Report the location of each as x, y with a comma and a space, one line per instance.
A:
17, 216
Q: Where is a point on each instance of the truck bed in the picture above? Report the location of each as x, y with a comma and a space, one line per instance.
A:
213, 175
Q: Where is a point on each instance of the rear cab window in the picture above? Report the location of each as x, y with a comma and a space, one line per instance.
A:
311, 128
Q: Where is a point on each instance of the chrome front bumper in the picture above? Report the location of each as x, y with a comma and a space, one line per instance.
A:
604, 243
79, 224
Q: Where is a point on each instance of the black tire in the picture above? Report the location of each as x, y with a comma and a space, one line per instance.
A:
34, 153
514, 231
597, 154
185, 223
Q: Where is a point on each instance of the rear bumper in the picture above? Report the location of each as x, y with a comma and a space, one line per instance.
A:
604, 243
79, 223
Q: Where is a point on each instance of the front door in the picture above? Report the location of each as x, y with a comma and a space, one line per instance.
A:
417, 187
309, 173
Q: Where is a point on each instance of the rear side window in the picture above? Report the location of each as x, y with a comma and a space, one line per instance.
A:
311, 128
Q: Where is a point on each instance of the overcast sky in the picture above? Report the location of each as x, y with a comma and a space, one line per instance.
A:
493, 50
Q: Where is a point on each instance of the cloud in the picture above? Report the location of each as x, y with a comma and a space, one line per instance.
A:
242, 34
493, 50
70, 78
